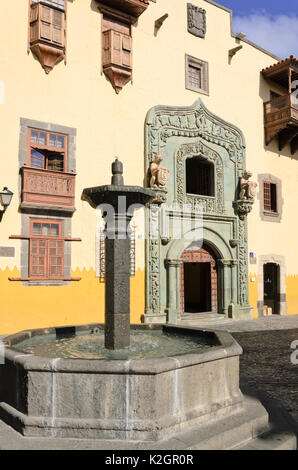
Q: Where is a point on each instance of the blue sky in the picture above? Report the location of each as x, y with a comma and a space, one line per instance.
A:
272, 24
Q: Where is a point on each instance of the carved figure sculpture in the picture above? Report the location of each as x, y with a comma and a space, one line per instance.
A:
159, 173
248, 188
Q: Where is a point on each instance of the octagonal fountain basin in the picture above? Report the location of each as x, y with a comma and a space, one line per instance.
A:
60, 382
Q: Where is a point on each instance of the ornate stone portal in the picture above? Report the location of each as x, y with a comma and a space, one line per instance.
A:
181, 218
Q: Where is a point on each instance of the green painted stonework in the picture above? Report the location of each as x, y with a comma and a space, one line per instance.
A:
178, 133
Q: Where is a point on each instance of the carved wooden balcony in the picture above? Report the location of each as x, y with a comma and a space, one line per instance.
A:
281, 113
281, 119
131, 7
47, 189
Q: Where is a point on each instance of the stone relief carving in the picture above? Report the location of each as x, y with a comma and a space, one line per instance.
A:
248, 188
194, 121
243, 263
208, 204
159, 173
196, 18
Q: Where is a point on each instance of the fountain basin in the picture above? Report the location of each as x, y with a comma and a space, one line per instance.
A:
134, 399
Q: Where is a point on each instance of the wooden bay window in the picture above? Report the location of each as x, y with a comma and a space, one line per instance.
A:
47, 31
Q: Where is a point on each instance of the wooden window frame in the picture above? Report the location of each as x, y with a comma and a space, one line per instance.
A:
267, 201
203, 66
48, 147
47, 239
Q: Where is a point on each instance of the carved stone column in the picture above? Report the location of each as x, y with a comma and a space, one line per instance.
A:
225, 284
173, 276
234, 281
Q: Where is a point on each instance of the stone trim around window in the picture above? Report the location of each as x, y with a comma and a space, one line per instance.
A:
268, 216
204, 67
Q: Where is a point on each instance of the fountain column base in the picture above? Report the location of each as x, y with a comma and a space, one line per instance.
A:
117, 331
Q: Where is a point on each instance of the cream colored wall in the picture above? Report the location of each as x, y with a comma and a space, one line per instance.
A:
77, 95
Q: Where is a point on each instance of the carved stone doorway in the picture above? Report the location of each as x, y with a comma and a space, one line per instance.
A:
198, 281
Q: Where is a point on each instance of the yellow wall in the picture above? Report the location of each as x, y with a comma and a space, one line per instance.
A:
79, 96
26, 307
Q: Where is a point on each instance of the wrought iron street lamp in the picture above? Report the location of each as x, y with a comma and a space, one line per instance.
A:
5, 197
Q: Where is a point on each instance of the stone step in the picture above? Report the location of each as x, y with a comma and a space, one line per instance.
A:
247, 430
202, 317
234, 430
270, 440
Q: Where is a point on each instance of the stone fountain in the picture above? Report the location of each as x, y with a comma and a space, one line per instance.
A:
120, 201
184, 397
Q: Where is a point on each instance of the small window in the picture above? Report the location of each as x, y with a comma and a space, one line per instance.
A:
270, 197
199, 177
47, 150
196, 75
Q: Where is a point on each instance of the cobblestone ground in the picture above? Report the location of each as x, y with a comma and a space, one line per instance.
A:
266, 366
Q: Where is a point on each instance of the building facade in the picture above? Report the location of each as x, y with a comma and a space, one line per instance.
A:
83, 82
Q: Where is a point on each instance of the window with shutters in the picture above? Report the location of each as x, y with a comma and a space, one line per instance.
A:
117, 49
47, 31
46, 250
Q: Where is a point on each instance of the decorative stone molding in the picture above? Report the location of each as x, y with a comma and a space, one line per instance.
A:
243, 207
194, 121
207, 203
203, 66
196, 19
160, 196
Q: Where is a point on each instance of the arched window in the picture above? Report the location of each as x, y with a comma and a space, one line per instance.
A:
199, 177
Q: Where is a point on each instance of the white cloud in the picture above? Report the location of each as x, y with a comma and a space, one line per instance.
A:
278, 34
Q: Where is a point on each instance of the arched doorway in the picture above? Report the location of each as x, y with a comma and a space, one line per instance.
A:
198, 281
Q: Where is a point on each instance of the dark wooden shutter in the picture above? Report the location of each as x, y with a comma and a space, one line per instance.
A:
126, 51
116, 48
34, 35
46, 23
57, 28
106, 47
38, 257
56, 256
